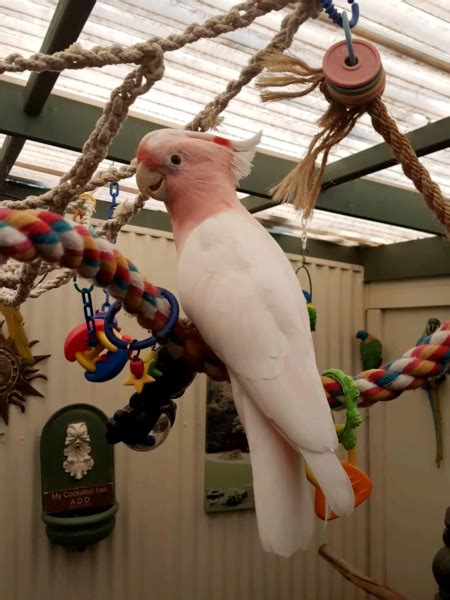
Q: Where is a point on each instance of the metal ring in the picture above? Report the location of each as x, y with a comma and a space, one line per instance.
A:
304, 267
148, 342
81, 290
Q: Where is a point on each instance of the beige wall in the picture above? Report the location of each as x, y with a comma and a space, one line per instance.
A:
164, 546
410, 493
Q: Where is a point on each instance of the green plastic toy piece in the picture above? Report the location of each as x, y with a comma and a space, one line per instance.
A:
347, 437
152, 370
312, 316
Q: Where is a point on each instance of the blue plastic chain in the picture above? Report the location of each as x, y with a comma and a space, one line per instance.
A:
114, 190
334, 15
88, 310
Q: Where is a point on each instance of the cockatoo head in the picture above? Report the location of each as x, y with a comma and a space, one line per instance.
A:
170, 161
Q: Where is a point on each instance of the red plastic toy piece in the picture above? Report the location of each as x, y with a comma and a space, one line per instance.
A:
137, 367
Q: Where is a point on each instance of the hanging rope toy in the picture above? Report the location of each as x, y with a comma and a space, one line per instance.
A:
352, 80
84, 209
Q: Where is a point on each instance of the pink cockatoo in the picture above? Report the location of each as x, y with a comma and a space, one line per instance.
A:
238, 287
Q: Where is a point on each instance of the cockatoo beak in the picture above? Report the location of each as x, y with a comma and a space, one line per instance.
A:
150, 182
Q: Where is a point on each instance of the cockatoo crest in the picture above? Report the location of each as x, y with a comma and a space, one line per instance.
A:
243, 151
157, 148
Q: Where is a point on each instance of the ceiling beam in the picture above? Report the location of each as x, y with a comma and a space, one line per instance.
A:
66, 123
419, 258
429, 257
256, 204
425, 140
9, 153
382, 203
66, 25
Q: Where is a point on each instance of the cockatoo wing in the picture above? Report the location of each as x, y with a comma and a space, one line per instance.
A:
238, 287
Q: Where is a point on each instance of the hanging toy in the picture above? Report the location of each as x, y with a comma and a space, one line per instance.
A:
311, 310
142, 371
352, 80
352, 70
82, 211
88, 345
145, 423
361, 483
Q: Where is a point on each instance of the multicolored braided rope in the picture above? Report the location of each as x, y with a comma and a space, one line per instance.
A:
429, 358
28, 234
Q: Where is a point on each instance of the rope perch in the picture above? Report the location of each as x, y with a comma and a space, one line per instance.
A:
301, 186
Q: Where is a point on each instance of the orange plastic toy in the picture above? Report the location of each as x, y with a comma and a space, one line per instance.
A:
361, 483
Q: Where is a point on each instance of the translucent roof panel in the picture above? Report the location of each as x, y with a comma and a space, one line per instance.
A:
336, 228
412, 36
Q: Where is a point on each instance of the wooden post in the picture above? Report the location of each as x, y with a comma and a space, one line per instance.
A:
441, 563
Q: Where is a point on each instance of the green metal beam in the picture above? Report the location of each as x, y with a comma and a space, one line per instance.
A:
9, 153
425, 140
379, 202
67, 123
429, 257
66, 25
255, 204
370, 200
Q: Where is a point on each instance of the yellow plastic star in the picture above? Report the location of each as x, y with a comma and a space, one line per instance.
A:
139, 383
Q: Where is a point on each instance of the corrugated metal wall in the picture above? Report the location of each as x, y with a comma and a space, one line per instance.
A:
164, 546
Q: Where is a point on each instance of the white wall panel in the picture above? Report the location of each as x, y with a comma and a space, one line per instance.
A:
410, 493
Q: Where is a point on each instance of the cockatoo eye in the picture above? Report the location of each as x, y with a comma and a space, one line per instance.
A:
175, 159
